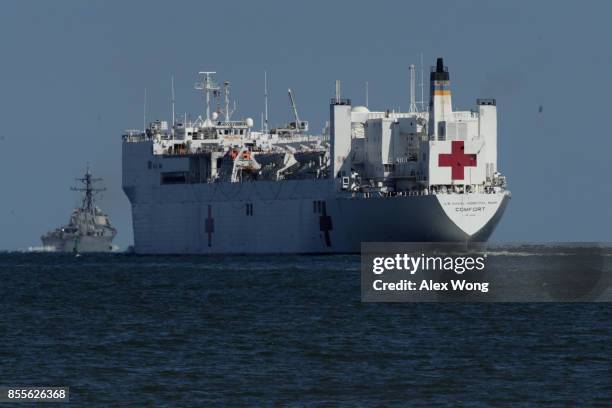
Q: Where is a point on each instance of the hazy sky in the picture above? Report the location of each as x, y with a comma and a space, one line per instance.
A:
73, 75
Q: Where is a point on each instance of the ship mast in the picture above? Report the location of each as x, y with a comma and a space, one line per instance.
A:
228, 112
89, 190
207, 85
265, 121
413, 105
173, 101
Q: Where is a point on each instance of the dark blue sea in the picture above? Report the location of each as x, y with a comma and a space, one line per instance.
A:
188, 331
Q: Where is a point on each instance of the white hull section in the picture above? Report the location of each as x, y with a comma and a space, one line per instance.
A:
194, 219
470, 212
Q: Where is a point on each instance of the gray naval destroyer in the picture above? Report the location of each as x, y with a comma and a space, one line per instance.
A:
217, 185
89, 229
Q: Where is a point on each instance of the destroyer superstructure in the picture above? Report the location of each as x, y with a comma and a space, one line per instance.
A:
216, 185
89, 229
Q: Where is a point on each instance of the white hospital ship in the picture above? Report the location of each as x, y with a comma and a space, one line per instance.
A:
217, 185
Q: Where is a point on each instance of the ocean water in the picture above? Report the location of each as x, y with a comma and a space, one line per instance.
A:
189, 331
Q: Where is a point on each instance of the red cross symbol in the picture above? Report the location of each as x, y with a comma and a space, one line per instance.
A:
457, 160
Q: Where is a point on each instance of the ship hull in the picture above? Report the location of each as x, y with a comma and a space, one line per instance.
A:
82, 245
262, 217
289, 216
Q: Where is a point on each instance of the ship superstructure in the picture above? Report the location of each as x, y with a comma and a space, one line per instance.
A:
216, 185
89, 229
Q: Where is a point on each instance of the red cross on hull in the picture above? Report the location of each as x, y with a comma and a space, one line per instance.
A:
457, 160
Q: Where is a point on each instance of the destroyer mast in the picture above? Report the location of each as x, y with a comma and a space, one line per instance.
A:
88, 204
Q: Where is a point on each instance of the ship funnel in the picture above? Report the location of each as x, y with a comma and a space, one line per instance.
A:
440, 73
440, 103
